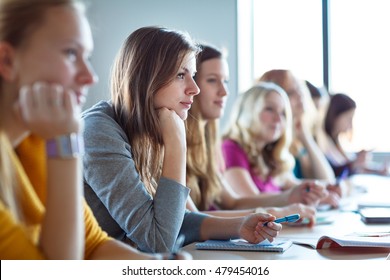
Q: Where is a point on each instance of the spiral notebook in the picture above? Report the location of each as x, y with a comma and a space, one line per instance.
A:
278, 245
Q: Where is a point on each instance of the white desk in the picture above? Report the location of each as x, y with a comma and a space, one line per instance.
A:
345, 222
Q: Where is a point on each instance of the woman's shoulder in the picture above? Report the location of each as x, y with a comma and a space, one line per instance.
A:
102, 109
100, 115
99, 121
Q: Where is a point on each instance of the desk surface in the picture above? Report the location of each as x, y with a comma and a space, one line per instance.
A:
362, 187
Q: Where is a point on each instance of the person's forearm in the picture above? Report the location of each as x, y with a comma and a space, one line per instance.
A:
220, 228
229, 213
276, 211
62, 235
116, 250
261, 200
319, 164
174, 164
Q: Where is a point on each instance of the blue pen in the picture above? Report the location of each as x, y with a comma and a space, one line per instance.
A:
287, 219
342, 176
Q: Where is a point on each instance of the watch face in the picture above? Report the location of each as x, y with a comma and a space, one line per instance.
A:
65, 146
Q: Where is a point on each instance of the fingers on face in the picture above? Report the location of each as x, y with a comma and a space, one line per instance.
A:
49, 98
56, 96
70, 102
25, 99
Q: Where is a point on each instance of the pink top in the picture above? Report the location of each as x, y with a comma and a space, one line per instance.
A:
235, 156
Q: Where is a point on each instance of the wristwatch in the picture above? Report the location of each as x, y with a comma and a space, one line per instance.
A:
65, 146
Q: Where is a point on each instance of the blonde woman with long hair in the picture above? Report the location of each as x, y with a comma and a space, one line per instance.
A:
45, 74
310, 162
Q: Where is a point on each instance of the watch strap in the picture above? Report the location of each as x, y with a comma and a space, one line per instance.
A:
65, 146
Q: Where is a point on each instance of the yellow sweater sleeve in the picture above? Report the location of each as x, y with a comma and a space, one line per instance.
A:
16, 242
32, 155
19, 238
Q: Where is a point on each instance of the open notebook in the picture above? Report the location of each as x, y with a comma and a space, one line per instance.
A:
278, 245
356, 239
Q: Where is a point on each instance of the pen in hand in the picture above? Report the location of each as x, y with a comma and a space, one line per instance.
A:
290, 219
342, 176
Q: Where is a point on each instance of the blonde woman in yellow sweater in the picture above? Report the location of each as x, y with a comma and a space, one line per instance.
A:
44, 77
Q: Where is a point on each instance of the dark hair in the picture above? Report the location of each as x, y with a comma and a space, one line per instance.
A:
208, 52
339, 104
315, 92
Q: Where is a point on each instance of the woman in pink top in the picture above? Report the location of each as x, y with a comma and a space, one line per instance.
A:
235, 157
256, 144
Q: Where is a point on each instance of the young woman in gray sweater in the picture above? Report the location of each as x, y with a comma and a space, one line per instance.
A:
135, 149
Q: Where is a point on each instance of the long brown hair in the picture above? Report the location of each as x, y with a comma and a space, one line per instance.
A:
148, 61
203, 152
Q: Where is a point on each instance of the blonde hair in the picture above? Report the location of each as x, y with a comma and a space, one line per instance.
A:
275, 156
204, 157
7, 177
18, 18
288, 81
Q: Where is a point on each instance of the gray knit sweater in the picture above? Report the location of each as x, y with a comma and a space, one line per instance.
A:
118, 197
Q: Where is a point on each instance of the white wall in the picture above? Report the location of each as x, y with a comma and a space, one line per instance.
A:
213, 21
